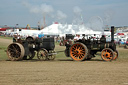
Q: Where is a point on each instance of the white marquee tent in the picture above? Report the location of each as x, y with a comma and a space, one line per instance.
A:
60, 29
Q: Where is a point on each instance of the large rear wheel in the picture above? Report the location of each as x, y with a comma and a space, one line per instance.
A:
15, 51
78, 52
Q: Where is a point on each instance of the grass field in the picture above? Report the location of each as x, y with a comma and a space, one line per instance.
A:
63, 71
3, 47
6, 37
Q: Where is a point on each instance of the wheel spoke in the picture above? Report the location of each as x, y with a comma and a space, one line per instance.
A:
78, 51
15, 51
107, 54
105, 50
42, 54
11, 49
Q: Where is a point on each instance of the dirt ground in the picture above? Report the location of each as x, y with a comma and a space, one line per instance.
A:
63, 72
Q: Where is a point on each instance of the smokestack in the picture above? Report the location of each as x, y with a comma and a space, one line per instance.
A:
112, 33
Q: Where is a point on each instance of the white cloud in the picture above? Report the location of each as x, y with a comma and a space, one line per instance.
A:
61, 15
43, 8
77, 10
69, 8
46, 8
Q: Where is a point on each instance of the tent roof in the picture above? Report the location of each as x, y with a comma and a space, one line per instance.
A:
67, 29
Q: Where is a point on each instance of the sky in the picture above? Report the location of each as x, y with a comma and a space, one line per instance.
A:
88, 12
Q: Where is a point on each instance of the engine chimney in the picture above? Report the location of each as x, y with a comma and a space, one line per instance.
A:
112, 33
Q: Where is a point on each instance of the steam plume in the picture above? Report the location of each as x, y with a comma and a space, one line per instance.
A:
61, 15
108, 15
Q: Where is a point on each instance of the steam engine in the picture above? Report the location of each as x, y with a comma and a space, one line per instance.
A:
26, 49
85, 49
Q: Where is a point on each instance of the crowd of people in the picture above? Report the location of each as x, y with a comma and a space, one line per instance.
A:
61, 40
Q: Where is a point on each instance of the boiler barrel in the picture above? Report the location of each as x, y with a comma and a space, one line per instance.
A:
48, 43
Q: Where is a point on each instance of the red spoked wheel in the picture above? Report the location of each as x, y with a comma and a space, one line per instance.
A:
115, 55
78, 52
107, 54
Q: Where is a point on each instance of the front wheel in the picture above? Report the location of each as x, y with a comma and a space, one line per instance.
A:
115, 55
107, 54
42, 54
51, 55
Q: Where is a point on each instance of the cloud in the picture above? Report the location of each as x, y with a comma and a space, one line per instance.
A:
78, 19
61, 15
26, 4
71, 8
34, 9
77, 10
108, 16
43, 8
46, 8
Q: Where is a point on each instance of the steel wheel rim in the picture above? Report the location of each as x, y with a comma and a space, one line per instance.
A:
115, 55
77, 52
51, 57
42, 54
15, 51
107, 54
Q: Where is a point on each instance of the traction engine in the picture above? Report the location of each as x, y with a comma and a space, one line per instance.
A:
85, 49
26, 49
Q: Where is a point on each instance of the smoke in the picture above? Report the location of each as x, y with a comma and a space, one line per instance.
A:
26, 4
61, 15
43, 11
47, 9
78, 20
108, 15
77, 15
96, 23
77, 10
62, 28
34, 9
43, 8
